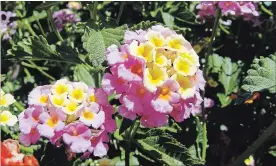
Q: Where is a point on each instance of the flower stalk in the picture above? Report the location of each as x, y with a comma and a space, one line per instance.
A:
209, 49
52, 24
129, 137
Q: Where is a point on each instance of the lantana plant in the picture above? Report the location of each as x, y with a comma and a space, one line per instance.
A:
69, 113
156, 74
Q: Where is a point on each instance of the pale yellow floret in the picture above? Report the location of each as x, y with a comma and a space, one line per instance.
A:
58, 100
192, 57
7, 118
176, 42
6, 99
160, 59
154, 77
183, 66
186, 89
88, 115
78, 94
144, 50
155, 38
71, 107
61, 87
43, 99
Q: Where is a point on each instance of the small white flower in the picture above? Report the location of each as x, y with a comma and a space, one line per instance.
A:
7, 118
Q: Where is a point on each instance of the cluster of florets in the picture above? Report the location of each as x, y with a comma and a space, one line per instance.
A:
8, 26
63, 17
156, 74
71, 113
246, 9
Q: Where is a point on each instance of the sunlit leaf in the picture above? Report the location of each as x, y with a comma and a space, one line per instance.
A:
261, 75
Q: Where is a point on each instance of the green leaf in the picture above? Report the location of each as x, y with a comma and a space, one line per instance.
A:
224, 99
82, 73
29, 150
95, 42
35, 46
113, 36
168, 19
3, 77
186, 15
163, 147
214, 63
143, 25
272, 150
46, 5
229, 76
262, 75
117, 161
77, 162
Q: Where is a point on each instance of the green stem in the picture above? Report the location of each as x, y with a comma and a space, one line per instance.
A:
93, 10
40, 28
42, 59
129, 136
214, 32
204, 143
30, 29
224, 29
209, 49
259, 142
120, 12
19, 106
42, 71
264, 9
52, 23
187, 22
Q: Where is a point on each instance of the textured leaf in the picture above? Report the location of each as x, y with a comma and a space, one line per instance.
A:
82, 73
262, 75
46, 5
163, 147
35, 46
95, 42
113, 36
168, 19
143, 25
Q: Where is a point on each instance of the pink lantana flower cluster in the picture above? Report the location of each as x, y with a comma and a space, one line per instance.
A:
69, 113
246, 9
156, 74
